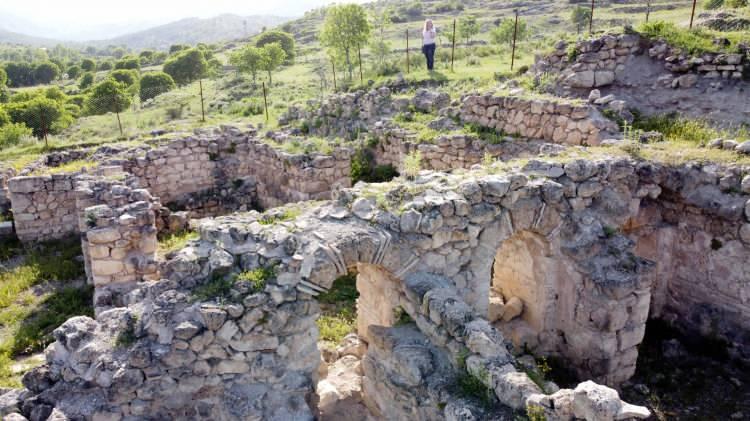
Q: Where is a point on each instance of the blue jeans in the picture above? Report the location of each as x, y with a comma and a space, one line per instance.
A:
429, 53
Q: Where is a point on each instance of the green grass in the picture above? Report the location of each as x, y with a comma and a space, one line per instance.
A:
338, 316
34, 300
70, 167
176, 241
679, 129
220, 287
288, 214
695, 41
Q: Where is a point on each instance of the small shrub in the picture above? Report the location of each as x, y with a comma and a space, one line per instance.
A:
175, 113
535, 413
471, 386
473, 61
257, 278
12, 134
413, 164
175, 241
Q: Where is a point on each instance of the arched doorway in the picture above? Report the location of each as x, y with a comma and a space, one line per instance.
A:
523, 290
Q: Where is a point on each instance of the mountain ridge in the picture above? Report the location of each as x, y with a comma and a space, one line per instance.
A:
189, 30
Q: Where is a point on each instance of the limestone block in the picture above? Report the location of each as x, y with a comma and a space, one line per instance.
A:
103, 235
604, 78
745, 232
513, 309
496, 308
107, 267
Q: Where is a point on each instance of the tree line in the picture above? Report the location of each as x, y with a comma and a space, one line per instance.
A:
44, 111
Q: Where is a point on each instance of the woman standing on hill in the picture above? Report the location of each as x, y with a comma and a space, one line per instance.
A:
429, 36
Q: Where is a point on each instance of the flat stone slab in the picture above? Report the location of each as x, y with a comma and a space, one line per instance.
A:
6, 229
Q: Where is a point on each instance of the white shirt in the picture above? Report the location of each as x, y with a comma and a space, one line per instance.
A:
429, 37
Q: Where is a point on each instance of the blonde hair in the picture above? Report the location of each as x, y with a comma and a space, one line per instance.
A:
428, 22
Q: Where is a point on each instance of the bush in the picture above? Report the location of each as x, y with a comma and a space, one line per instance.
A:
4, 117
86, 80
128, 63
712, 4
41, 114
12, 134
124, 76
155, 84
45, 73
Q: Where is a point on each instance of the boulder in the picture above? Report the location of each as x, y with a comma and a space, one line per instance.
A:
513, 309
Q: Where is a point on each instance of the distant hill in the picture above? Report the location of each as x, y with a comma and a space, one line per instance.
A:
8, 37
194, 30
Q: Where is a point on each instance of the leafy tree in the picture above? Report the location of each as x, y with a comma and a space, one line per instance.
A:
19, 74
176, 48
109, 96
503, 33
580, 16
42, 115
186, 66
86, 80
119, 52
273, 57
379, 47
159, 57
147, 56
282, 38
3, 78
106, 65
73, 72
129, 63
468, 27
124, 76
249, 59
45, 73
88, 65
154, 84
345, 30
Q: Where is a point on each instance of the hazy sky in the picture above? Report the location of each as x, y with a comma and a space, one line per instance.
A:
82, 18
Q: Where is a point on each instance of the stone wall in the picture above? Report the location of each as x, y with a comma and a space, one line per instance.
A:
558, 122
44, 207
698, 233
169, 357
119, 236
600, 62
229, 157
450, 151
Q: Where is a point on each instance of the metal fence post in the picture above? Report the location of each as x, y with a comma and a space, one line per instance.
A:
453, 47
407, 51
515, 33
591, 20
265, 100
333, 65
203, 109
692, 14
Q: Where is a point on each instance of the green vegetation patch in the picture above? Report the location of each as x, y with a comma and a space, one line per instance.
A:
338, 316
176, 241
33, 302
692, 41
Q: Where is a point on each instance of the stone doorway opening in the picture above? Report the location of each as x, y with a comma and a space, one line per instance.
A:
523, 290
365, 296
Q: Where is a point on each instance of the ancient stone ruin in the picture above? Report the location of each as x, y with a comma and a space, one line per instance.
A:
458, 268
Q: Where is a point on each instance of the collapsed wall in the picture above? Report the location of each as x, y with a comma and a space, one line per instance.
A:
653, 77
